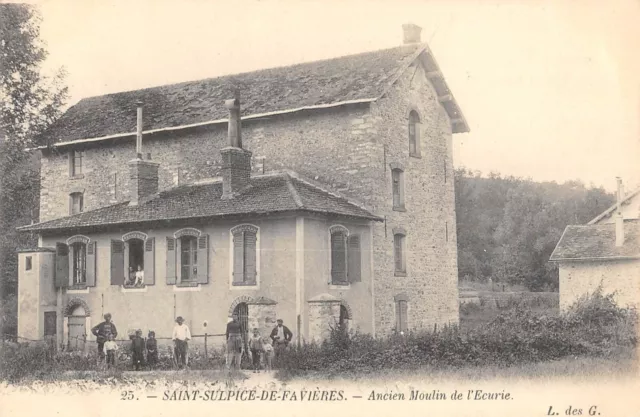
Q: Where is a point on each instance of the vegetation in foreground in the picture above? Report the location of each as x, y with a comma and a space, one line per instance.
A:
593, 328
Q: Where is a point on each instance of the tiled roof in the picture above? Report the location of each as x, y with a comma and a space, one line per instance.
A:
272, 193
598, 241
361, 77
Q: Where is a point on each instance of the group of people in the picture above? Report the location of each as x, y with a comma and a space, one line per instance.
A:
106, 333
262, 350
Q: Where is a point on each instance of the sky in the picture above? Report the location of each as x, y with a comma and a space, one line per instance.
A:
550, 89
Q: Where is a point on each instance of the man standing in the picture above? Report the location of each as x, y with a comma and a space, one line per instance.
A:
281, 336
234, 343
102, 332
181, 335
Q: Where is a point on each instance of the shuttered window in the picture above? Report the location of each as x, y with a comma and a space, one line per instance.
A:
245, 251
79, 265
61, 278
339, 257
188, 258
414, 134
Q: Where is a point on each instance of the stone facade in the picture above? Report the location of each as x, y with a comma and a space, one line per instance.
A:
349, 149
621, 278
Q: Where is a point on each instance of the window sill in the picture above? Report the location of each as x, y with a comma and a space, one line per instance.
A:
400, 208
415, 155
339, 285
131, 288
78, 289
400, 273
76, 177
244, 284
184, 287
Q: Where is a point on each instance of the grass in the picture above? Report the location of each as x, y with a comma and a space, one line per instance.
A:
573, 368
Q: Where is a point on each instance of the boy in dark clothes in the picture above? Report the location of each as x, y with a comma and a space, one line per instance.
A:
137, 350
152, 349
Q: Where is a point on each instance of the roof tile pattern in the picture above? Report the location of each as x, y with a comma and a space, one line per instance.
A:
281, 192
598, 242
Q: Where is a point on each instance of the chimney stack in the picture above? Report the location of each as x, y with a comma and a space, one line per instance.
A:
236, 162
411, 33
619, 219
143, 175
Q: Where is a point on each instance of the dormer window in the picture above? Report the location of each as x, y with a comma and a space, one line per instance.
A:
414, 134
75, 163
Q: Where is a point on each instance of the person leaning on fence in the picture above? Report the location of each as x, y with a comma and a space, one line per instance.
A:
137, 350
181, 335
111, 350
152, 349
234, 343
102, 332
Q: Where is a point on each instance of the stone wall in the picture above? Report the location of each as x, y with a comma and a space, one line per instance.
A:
348, 149
620, 277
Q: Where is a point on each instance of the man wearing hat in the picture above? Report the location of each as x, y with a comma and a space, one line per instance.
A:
281, 336
181, 335
102, 332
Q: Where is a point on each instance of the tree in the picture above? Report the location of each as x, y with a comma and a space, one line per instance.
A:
29, 102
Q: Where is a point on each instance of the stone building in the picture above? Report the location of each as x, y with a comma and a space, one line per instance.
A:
331, 202
605, 252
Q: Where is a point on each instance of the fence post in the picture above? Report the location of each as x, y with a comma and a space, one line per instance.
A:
206, 355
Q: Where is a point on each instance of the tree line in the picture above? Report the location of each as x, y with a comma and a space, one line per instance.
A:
507, 227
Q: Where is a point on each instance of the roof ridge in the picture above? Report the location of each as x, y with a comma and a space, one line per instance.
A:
613, 206
237, 74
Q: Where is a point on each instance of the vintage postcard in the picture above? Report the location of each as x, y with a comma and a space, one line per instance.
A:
370, 208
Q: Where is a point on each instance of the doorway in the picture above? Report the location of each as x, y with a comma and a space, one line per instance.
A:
77, 329
242, 311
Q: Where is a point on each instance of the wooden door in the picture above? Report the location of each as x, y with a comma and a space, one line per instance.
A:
77, 333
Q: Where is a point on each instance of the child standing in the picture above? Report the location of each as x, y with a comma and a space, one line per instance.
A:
152, 349
110, 349
137, 350
268, 353
255, 345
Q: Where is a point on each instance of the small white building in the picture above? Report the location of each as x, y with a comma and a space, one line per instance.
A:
606, 252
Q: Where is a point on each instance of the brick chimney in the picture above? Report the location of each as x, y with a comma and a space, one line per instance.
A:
619, 219
411, 33
236, 162
143, 175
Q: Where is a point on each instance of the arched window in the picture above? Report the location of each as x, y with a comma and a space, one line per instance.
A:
76, 203
399, 252
414, 133
397, 184
245, 254
188, 257
79, 265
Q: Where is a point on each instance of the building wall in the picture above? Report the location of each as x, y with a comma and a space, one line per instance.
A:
156, 306
357, 297
349, 150
619, 277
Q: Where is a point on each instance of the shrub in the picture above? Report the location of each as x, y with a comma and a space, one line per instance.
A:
594, 326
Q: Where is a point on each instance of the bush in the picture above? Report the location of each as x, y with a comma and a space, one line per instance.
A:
594, 326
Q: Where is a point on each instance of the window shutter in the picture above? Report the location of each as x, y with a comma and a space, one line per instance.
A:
62, 266
250, 257
238, 257
117, 262
203, 259
397, 249
354, 258
338, 258
91, 264
171, 261
150, 261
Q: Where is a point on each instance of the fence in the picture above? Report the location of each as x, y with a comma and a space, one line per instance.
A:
79, 343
